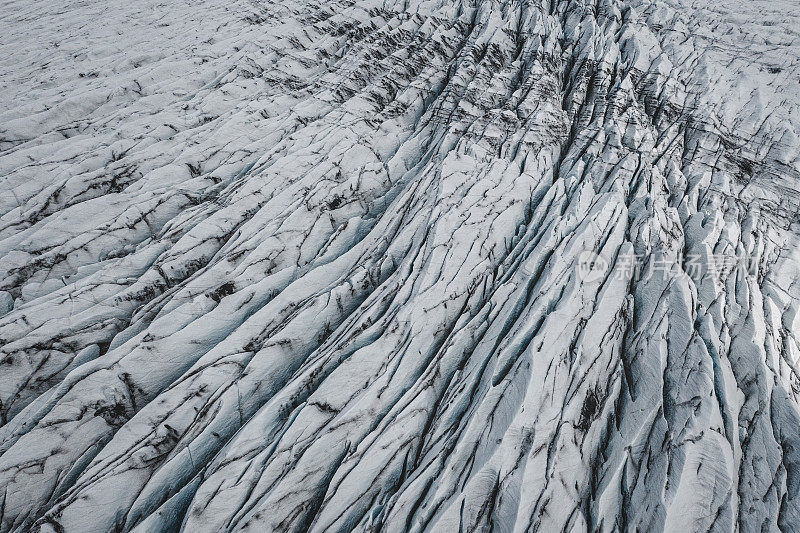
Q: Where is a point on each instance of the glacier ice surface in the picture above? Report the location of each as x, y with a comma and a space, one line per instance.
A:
430, 265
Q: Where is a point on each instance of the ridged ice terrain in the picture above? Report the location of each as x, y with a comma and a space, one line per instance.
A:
418, 265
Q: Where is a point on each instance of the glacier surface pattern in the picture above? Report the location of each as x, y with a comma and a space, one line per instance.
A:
321, 265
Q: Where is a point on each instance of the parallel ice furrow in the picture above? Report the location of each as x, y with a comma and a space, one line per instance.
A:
425, 265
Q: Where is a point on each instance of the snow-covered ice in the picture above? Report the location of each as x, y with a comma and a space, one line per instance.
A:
419, 265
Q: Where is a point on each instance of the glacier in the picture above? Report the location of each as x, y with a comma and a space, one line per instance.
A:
419, 265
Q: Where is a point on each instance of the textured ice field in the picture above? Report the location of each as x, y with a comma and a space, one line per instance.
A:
418, 265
